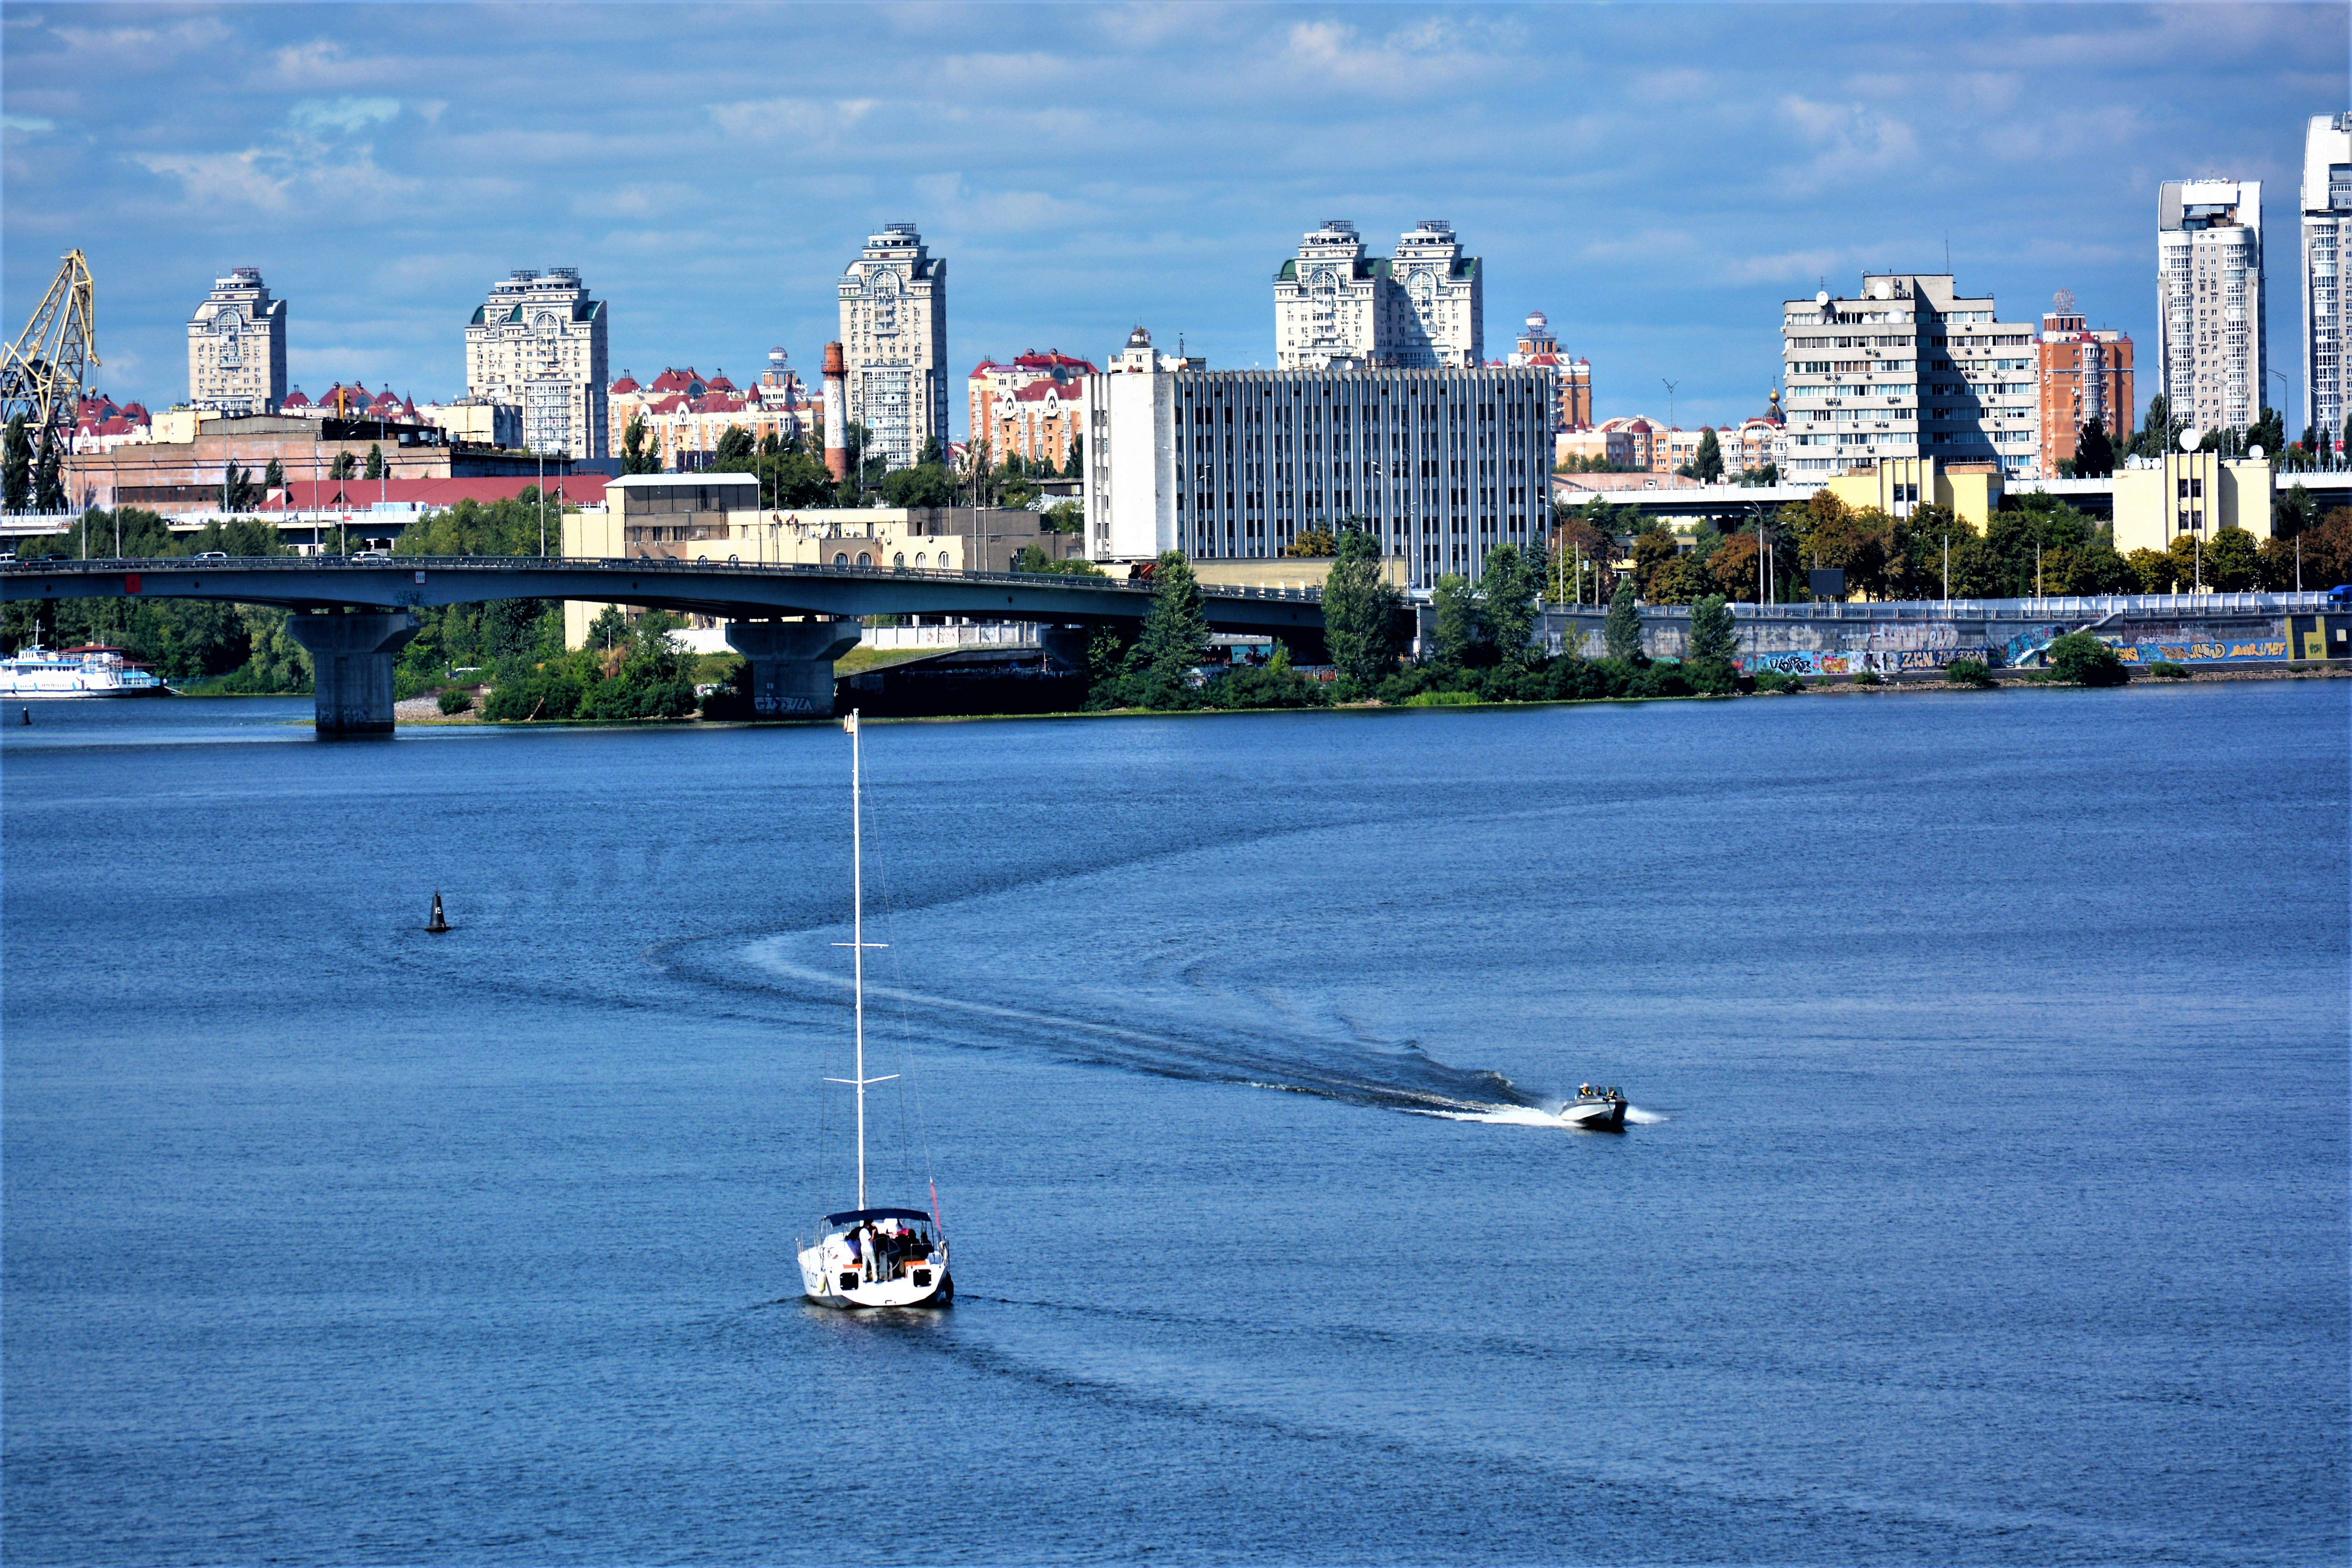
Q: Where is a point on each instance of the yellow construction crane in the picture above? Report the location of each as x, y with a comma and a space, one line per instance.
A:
41, 372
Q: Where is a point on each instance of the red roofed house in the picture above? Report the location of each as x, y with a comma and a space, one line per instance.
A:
688, 413
1030, 407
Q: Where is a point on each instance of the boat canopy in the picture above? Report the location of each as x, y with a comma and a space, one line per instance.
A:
860, 1216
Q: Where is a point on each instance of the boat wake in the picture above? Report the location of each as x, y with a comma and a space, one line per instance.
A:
1354, 1071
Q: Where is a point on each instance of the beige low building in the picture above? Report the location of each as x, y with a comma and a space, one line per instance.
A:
2198, 493
703, 517
1895, 486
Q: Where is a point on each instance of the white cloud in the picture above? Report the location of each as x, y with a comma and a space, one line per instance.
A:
26, 122
318, 116
220, 179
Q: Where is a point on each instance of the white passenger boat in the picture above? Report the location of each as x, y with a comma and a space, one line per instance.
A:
1595, 1109
866, 1256
90, 671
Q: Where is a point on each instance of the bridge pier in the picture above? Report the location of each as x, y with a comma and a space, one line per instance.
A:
351, 659
792, 664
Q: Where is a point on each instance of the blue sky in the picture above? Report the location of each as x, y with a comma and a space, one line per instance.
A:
1655, 178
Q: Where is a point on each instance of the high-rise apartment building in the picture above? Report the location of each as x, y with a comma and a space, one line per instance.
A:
1911, 369
1337, 308
236, 347
2326, 237
2208, 300
539, 344
1440, 465
2084, 373
894, 344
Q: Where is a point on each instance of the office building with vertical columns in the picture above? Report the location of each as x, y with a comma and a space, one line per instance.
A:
1440, 465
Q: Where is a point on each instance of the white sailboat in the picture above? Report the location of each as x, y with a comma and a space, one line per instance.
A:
866, 1256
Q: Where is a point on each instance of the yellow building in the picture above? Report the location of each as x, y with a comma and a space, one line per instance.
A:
1897, 484
2192, 493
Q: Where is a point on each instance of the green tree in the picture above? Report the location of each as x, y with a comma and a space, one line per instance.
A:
1707, 462
273, 477
924, 485
796, 479
2293, 512
1063, 517
1624, 627
1313, 542
2229, 560
735, 452
1361, 612
1510, 590
1075, 468
375, 462
932, 455
640, 447
343, 466
17, 467
237, 494
1714, 633
2095, 454
1175, 635
48, 478
2085, 661
2269, 433
1462, 634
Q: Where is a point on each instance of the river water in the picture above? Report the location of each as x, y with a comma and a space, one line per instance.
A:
1987, 1199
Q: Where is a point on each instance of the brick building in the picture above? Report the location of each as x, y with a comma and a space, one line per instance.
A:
2084, 374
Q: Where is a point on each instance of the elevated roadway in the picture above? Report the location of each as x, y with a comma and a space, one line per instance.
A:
790, 623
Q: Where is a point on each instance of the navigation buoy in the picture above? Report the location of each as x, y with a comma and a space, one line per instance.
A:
438, 924
28, 713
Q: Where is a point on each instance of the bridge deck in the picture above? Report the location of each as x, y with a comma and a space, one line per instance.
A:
734, 592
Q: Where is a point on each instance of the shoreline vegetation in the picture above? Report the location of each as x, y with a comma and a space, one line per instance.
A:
505, 662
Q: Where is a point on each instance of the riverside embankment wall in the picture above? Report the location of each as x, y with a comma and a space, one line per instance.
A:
1921, 638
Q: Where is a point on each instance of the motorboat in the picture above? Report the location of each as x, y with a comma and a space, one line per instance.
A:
92, 670
872, 1256
1595, 1109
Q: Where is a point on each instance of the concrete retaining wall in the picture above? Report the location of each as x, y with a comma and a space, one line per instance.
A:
1922, 638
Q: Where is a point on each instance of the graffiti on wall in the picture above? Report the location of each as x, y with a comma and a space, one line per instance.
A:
1883, 661
2200, 652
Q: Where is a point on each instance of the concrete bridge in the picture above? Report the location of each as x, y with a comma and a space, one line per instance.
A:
790, 623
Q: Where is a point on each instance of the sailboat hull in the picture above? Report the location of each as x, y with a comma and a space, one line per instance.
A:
918, 1287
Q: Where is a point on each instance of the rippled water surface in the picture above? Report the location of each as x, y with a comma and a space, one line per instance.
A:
1987, 1200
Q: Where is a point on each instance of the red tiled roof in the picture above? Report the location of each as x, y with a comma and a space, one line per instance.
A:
1056, 361
1043, 387
356, 494
718, 384
628, 384
671, 405
136, 413
983, 368
677, 381
295, 400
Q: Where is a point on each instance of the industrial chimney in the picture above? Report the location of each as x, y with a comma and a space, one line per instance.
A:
836, 414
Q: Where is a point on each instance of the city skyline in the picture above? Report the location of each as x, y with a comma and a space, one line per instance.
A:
1656, 187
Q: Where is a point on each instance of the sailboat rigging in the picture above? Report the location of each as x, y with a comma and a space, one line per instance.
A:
867, 1256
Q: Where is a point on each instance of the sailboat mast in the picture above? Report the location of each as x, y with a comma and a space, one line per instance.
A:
858, 937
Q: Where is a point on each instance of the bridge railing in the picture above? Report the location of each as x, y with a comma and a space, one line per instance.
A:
645, 566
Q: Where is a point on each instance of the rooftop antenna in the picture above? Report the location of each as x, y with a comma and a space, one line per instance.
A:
1670, 403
